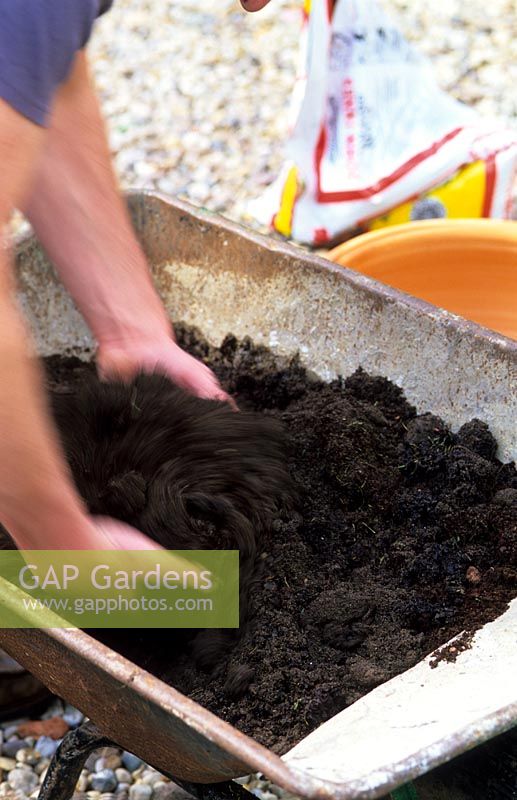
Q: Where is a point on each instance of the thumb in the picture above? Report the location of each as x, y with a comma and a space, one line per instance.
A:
120, 536
123, 537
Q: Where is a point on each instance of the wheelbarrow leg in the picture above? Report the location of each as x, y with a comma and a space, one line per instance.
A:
69, 759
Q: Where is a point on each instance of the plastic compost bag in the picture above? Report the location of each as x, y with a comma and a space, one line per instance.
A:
375, 141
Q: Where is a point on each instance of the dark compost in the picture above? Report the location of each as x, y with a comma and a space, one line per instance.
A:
391, 535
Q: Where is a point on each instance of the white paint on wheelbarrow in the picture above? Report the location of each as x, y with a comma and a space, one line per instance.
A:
413, 720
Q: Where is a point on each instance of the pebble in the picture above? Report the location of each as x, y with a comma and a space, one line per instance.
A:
91, 761
55, 727
11, 794
140, 791
11, 747
23, 779
104, 781
82, 783
6, 764
112, 761
131, 762
27, 756
46, 746
41, 767
164, 791
55, 709
73, 716
150, 777
123, 775
473, 575
43, 775
10, 731
10, 727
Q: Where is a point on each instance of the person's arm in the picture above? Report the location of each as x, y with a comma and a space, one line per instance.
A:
38, 503
81, 219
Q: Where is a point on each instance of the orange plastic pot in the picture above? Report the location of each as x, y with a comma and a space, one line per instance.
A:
468, 267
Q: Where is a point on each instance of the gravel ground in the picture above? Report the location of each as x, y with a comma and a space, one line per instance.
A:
109, 773
196, 95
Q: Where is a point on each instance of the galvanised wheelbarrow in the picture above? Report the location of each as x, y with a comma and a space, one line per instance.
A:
220, 277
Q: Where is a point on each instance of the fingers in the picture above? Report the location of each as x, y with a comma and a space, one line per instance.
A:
170, 360
120, 536
201, 381
217, 393
254, 5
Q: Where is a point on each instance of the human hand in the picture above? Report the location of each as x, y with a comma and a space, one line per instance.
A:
112, 534
119, 536
163, 356
85, 533
254, 5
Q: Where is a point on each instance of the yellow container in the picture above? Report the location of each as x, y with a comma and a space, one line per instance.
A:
466, 195
466, 266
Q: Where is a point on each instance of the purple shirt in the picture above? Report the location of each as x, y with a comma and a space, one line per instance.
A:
38, 43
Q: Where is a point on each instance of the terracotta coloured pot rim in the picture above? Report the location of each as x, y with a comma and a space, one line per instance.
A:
466, 266
439, 233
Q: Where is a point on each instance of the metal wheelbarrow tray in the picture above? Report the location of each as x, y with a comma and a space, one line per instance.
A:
220, 277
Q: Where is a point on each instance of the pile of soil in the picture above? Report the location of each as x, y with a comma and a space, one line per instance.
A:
405, 535
402, 534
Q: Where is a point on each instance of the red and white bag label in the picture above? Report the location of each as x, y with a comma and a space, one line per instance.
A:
372, 128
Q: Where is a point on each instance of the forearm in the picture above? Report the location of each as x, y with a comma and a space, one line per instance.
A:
78, 215
82, 221
38, 503
35, 490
